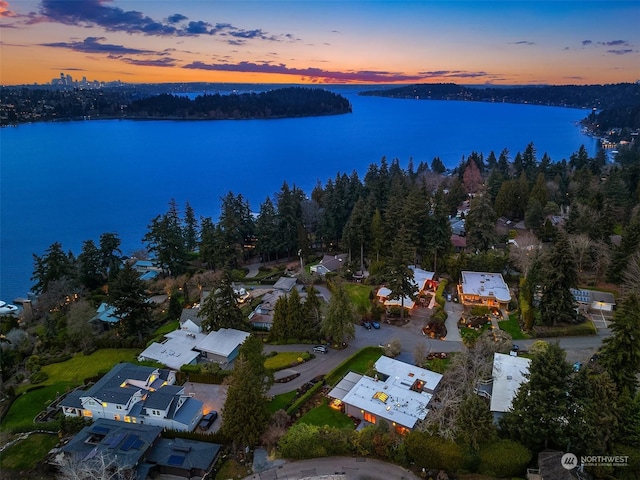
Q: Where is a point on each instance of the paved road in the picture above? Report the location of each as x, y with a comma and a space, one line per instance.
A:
410, 335
336, 468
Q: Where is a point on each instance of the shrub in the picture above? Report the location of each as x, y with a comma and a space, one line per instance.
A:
190, 368
504, 458
433, 452
440, 292
310, 441
304, 398
479, 310
38, 377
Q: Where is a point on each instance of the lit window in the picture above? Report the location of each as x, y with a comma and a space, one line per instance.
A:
87, 413
368, 417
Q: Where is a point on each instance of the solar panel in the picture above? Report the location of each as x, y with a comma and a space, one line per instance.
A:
182, 448
138, 444
99, 429
176, 460
116, 440
128, 443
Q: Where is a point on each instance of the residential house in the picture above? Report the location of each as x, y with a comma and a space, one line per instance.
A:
136, 394
422, 280
177, 349
507, 375
459, 243
190, 320
222, 346
482, 288
594, 300
105, 316
285, 284
329, 263
141, 451
146, 269
399, 393
262, 315
458, 226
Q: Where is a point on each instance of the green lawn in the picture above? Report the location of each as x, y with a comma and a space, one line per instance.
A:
63, 376
82, 366
280, 402
325, 415
512, 327
360, 362
26, 454
285, 360
359, 295
169, 327
438, 365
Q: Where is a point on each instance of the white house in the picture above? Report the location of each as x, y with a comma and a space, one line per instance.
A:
508, 374
483, 288
399, 393
136, 394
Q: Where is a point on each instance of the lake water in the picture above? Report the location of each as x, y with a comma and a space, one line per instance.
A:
70, 182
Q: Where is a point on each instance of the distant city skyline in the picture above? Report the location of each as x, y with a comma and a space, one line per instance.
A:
279, 41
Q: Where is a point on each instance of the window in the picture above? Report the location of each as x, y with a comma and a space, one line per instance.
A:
116, 418
87, 413
369, 417
118, 407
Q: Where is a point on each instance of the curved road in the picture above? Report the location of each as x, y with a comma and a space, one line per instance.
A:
336, 468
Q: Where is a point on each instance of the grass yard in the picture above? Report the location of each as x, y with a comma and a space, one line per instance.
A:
25, 454
359, 363
63, 376
280, 402
285, 360
471, 334
324, 415
359, 295
438, 365
28, 405
81, 366
169, 327
232, 469
512, 327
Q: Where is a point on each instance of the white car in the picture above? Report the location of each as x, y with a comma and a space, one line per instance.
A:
320, 349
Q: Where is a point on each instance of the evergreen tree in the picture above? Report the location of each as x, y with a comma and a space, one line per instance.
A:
280, 329
481, 224
338, 324
53, 265
378, 238
220, 308
289, 216
89, 266
110, 254
211, 244
437, 166
129, 299
557, 304
356, 233
165, 241
295, 315
475, 422
245, 410
540, 409
399, 277
621, 351
190, 228
312, 310
267, 231
236, 224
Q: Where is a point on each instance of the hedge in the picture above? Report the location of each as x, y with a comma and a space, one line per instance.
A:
295, 406
504, 458
440, 292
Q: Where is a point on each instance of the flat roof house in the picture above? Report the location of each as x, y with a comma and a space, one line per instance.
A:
136, 394
483, 288
222, 346
399, 393
507, 375
594, 300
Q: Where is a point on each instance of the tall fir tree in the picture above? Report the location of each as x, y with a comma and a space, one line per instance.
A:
338, 324
220, 308
557, 304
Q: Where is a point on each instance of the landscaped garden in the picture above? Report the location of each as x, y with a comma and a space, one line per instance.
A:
512, 327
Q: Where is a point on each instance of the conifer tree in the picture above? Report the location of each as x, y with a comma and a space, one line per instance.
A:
338, 324
128, 296
220, 308
540, 408
621, 351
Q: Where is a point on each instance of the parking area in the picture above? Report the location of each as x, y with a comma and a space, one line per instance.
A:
213, 397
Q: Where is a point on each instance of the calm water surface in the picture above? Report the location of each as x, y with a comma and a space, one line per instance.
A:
70, 182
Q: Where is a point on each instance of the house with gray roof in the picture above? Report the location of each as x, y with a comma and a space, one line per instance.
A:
136, 394
140, 451
222, 346
329, 263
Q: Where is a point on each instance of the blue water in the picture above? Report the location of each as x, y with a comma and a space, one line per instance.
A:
70, 182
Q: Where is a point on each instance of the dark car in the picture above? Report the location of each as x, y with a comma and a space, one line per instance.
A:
375, 325
367, 325
207, 420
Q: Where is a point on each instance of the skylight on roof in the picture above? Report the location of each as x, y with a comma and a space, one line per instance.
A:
381, 396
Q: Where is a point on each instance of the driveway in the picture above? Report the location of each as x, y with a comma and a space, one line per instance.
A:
213, 397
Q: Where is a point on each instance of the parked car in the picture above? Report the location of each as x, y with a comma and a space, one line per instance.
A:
577, 366
367, 325
375, 325
515, 348
320, 349
207, 420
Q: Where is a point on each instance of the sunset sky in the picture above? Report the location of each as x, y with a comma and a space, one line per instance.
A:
306, 41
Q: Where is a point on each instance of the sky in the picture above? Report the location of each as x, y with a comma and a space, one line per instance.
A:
506, 42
